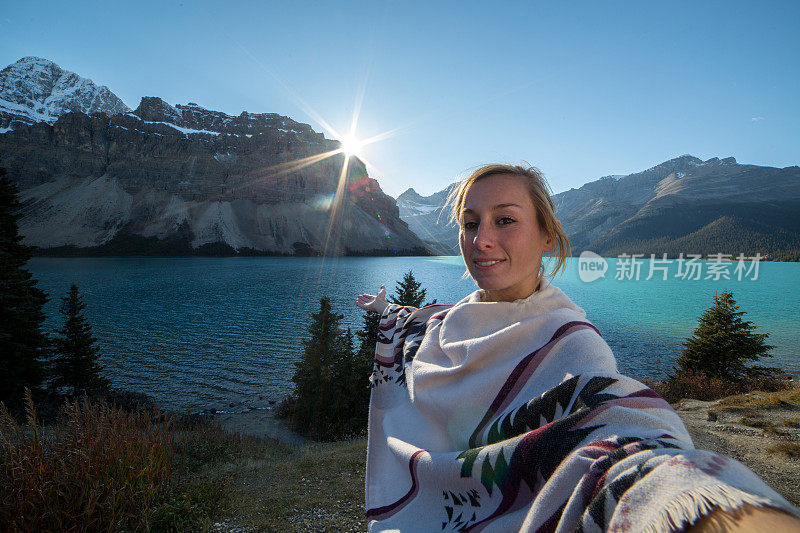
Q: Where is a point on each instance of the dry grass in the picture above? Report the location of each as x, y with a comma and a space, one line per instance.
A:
699, 386
757, 422
759, 400
101, 468
791, 422
319, 486
692, 385
790, 449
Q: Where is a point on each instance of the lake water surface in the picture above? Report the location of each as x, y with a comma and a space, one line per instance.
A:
200, 333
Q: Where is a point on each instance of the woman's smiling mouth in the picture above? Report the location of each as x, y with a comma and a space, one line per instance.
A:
486, 263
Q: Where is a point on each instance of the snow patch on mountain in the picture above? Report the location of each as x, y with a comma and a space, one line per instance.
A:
186, 131
37, 90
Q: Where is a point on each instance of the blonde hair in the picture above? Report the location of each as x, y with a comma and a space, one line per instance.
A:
540, 195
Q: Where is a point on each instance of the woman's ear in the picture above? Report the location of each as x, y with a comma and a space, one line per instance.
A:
549, 244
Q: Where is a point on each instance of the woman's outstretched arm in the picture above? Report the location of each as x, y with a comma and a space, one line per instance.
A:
368, 302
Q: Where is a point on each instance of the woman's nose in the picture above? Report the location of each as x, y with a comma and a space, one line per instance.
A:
484, 237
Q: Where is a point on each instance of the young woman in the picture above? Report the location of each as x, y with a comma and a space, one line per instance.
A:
506, 412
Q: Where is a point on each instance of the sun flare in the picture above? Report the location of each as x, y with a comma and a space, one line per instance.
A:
351, 146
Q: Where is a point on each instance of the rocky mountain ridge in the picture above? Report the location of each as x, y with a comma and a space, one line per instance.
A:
182, 179
428, 217
683, 205
37, 90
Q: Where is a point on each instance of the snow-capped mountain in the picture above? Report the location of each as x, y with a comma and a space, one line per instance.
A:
428, 217
180, 180
37, 90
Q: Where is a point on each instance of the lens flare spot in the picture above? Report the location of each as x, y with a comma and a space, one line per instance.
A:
323, 202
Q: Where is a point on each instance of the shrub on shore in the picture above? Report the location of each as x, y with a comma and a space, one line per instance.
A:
701, 386
100, 468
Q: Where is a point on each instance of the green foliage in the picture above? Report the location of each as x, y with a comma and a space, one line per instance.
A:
792, 256
184, 509
723, 343
747, 228
365, 360
75, 365
321, 405
332, 378
409, 292
23, 343
368, 336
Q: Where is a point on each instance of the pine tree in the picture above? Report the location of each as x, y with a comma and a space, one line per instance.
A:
316, 409
723, 343
23, 343
368, 336
349, 409
363, 365
75, 365
409, 292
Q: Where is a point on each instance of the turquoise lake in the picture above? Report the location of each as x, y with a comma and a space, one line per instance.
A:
198, 333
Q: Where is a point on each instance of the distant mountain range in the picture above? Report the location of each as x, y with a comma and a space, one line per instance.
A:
98, 178
684, 205
430, 220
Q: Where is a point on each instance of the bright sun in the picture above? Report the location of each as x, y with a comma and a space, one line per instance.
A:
350, 145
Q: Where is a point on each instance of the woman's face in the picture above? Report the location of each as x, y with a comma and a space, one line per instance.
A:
500, 238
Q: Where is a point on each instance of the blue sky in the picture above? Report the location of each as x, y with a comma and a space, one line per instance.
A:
579, 89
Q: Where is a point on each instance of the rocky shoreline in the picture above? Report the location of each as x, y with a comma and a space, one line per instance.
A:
720, 429
259, 423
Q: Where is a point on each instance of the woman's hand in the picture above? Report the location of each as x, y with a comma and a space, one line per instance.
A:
369, 302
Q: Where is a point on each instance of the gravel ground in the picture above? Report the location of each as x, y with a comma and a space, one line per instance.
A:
725, 435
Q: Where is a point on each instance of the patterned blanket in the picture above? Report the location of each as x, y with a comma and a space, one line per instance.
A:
512, 416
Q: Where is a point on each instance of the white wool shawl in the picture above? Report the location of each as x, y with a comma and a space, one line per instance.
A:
512, 416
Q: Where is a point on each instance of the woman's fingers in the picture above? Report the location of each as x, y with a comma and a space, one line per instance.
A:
370, 302
364, 301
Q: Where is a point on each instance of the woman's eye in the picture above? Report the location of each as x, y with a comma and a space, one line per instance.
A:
504, 221
470, 225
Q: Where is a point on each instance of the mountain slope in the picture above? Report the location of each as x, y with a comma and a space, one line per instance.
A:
179, 180
684, 205
427, 217
37, 90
